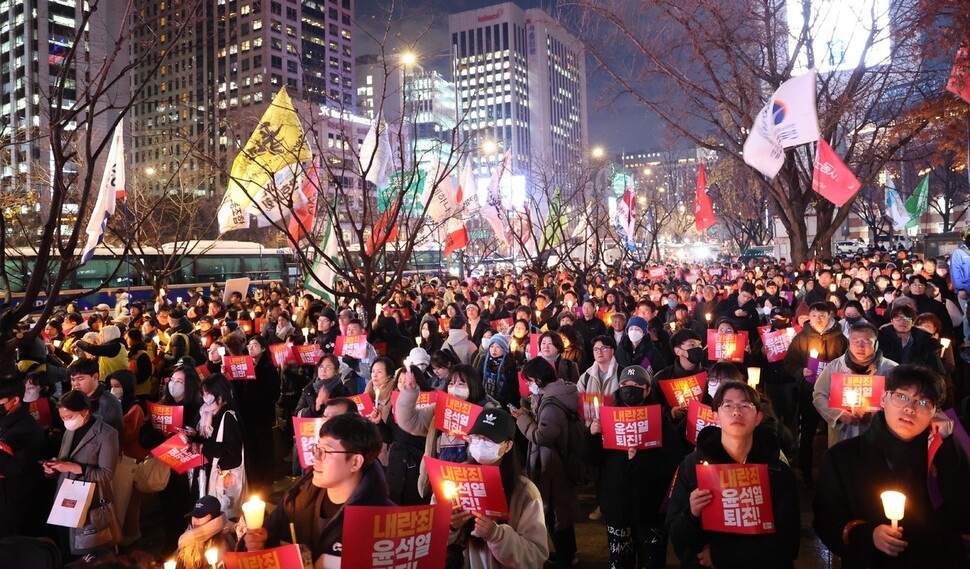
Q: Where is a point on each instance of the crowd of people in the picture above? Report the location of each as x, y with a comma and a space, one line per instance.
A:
529, 350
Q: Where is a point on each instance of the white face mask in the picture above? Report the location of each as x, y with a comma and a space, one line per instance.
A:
117, 392
635, 335
485, 451
533, 389
209, 398
31, 394
712, 387
459, 391
425, 334
74, 424
176, 390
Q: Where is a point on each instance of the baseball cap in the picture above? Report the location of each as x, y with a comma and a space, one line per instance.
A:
494, 424
206, 506
636, 374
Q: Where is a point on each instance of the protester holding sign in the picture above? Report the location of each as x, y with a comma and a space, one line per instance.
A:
345, 472
819, 342
860, 359
738, 440
522, 541
902, 451
220, 432
633, 483
553, 404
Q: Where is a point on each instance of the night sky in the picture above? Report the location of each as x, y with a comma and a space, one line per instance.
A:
617, 124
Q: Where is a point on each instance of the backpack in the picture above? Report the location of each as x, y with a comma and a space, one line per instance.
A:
576, 471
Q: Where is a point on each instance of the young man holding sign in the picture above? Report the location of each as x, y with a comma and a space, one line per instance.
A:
729, 538
345, 472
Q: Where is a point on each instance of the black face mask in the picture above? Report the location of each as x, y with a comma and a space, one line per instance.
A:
779, 324
630, 395
696, 355
853, 320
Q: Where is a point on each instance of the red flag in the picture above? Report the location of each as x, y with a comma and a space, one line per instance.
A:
301, 222
457, 236
959, 83
381, 233
832, 178
703, 208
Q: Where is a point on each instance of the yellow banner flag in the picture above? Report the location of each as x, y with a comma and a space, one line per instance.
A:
267, 168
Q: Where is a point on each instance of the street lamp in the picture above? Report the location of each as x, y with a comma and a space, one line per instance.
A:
408, 59
598, 152
489, 148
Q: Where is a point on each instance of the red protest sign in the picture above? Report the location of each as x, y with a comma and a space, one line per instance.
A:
679, 391
380, 348
307, 354
588, 403
203, 371
177, 454
282, 354
453, 415
851, 392
523, 385
40, 410
305, 433
425, 399
443, 324
468, 487
742, 498
166, 418
658, 272
239, 367
726, 347
364, 403
353, 346
282, 557
776, 343
415, 537
698, 417
258, 325
247, 326
502, 325
534, 345
631, 427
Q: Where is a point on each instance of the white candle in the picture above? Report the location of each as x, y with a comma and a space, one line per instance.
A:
754, 376
944, 342
178, 299
306, 332
254, 510
895, 504
170, 564
851, 397
57, 343
813, 354
596, 408
212, 556
221, 350
377, 396
707, 316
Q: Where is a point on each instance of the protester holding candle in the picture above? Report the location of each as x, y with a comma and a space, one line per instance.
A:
208, 528
822, 334
632, 484
894, 454
862, 358
738, 440
930, 323
904, 343
519, 542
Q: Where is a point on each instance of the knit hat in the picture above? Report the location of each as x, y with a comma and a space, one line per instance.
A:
418, 357
639, 322
500, 340
494, 424
110, 333
636, 374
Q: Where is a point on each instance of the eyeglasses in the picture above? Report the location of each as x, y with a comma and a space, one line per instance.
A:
745, 407
602, 349
900, 400
900, 318
321, 453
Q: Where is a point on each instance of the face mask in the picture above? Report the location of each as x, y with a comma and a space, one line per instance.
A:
696, 355
209, 398
485, 451
533, 389
672, 303
74, 424
853, 320
176, 390
31, 394
779, 324
485, 343
117, 392
459, 391
712, 387
635, 336
425, 334
630, 395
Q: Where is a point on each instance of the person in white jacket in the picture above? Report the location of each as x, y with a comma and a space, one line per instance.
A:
522, 540
601, 377
862, 358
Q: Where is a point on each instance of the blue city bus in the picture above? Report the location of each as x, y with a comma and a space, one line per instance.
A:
183, 267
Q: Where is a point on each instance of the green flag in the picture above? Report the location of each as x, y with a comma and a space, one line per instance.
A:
322, 273
916, 204
555, 222
414, 182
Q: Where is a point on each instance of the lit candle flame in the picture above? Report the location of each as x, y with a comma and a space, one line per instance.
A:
813, 354
894, 503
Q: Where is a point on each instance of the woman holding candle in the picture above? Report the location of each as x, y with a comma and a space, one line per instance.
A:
208, 529
903, 451
739, 439
632, 484
519, 542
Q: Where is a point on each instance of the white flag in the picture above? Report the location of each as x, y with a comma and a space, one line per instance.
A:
626, 212
494, 210
112, 186
894, 205
789, 118
375, 155
322, 271
442, 204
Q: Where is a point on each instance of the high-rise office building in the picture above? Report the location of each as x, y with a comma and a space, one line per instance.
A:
522, 85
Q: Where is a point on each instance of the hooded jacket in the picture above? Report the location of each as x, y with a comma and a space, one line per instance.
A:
459, 343
303, 507
853, 474
729, 551
829, 343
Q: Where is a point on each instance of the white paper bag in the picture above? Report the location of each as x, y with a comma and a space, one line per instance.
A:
71, 504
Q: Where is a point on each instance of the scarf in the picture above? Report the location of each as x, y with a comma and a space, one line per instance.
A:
864, 368
206, 413
203, 533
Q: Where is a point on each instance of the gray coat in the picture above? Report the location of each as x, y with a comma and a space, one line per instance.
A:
97, 453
